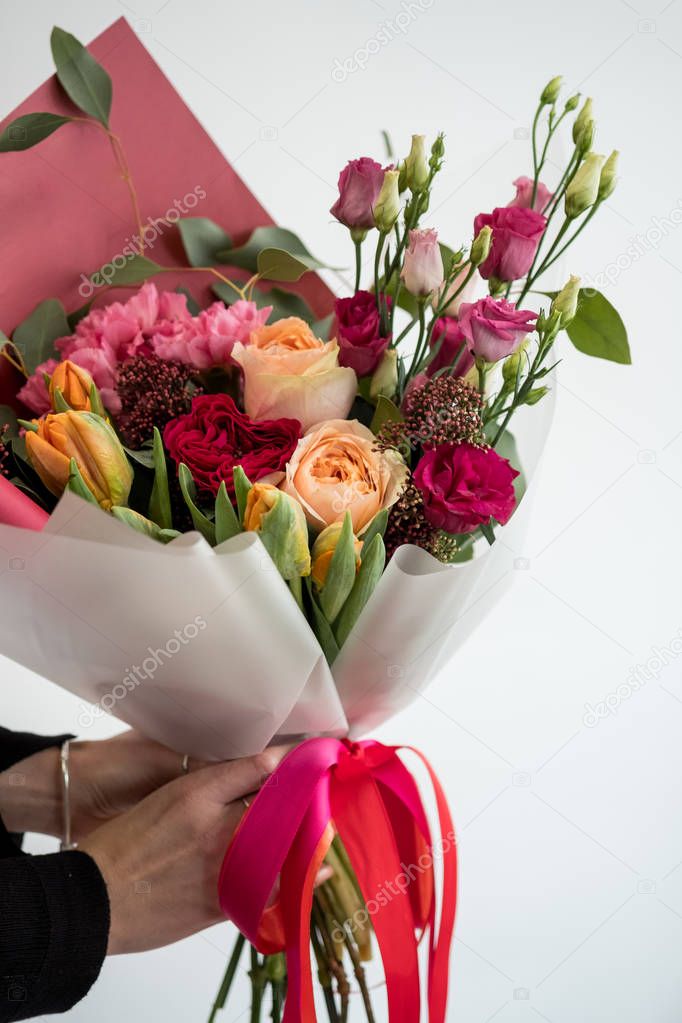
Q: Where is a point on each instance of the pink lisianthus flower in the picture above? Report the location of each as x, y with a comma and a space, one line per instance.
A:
34, 393
516, 236
422, 271
494, 328
524, 195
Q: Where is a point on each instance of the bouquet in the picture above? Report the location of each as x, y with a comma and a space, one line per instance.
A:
342, 479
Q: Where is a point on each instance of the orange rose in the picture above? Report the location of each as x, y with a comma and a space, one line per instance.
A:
337, 467
291, 374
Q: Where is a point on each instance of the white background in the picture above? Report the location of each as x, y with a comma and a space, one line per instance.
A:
570, 835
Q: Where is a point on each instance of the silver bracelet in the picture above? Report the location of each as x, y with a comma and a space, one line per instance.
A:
66, 842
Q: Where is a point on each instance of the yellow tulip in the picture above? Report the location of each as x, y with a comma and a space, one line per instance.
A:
281, 524
323, 552
92, 443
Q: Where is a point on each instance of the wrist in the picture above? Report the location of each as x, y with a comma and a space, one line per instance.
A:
30, 794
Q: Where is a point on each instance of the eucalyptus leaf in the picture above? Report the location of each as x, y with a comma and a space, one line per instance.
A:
200, 521
203, 239
35, 337
79, 314
193, 306
135, 270
386, 412
84, 81
284, 303
160, 502
321, 328
279, 242
341, 572
370, 572
226, 521
28, 130
507, 448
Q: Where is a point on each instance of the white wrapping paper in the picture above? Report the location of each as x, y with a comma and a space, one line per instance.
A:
206, 650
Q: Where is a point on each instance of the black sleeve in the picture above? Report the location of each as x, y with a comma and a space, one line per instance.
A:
14, 746
54, 927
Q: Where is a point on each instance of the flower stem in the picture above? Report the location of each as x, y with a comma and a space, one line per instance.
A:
358, 264
227, 980
258, 979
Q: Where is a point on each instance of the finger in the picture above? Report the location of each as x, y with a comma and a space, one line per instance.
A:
235, 779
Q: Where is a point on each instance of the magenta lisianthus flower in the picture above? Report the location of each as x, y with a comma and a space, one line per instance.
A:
358, 331
360, 182
464, 486
516, 236
422, 271
524, 195
453, 348
494, 328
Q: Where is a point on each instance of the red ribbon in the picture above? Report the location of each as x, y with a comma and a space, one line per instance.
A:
363, 792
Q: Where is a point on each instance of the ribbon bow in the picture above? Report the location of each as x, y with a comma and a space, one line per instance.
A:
363, 792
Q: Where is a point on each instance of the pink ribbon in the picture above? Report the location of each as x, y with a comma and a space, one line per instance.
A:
363, 792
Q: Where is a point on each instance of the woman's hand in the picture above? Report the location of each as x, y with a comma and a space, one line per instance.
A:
107, 778
161, 860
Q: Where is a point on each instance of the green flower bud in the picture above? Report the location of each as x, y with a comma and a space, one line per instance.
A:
607, 181
572, 102
385, 379
566, 302
437, 153
416, 164
402, 179
510, 366
480, 247
387, 207
583, 188
581, 122
549, 94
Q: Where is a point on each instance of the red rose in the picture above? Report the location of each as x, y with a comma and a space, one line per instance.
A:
215, 436
464, 486
358, 333
516, 236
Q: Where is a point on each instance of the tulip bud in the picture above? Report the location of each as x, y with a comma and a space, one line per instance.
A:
387, 206
480, 247
607, 181
416, 164
323, 552
584, 123
280, 521
75, 386
385, 377
583, 188
92, 444
566, 302
549, 94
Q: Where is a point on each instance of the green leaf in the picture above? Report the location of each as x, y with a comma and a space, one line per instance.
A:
341, 572
35, 337
28, 130
77, 315
77, 484
488, 531
9, 426
507, 448
242, 485
193, 306
226, 521
275, 252
84, 81
284, 303
143, 525
370, 572
597, 329
159, 501
376, 527
143, 456
535, 395
321, 328
59, 401
322, 629
386, 412
134, 271
203, 239
201, 523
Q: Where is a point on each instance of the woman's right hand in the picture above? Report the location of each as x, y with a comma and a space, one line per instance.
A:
161, 860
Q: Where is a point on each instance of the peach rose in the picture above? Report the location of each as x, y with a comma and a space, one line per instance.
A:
337, 467
291, 374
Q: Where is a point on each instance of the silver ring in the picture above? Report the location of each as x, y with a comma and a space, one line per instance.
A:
245, 801
185, 764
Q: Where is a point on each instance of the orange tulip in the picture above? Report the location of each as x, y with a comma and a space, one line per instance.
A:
75, 384
323, 552
89, 440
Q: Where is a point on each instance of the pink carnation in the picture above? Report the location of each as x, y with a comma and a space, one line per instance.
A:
209, 338
34, 393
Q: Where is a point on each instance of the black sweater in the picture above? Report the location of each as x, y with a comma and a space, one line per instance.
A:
54, 915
